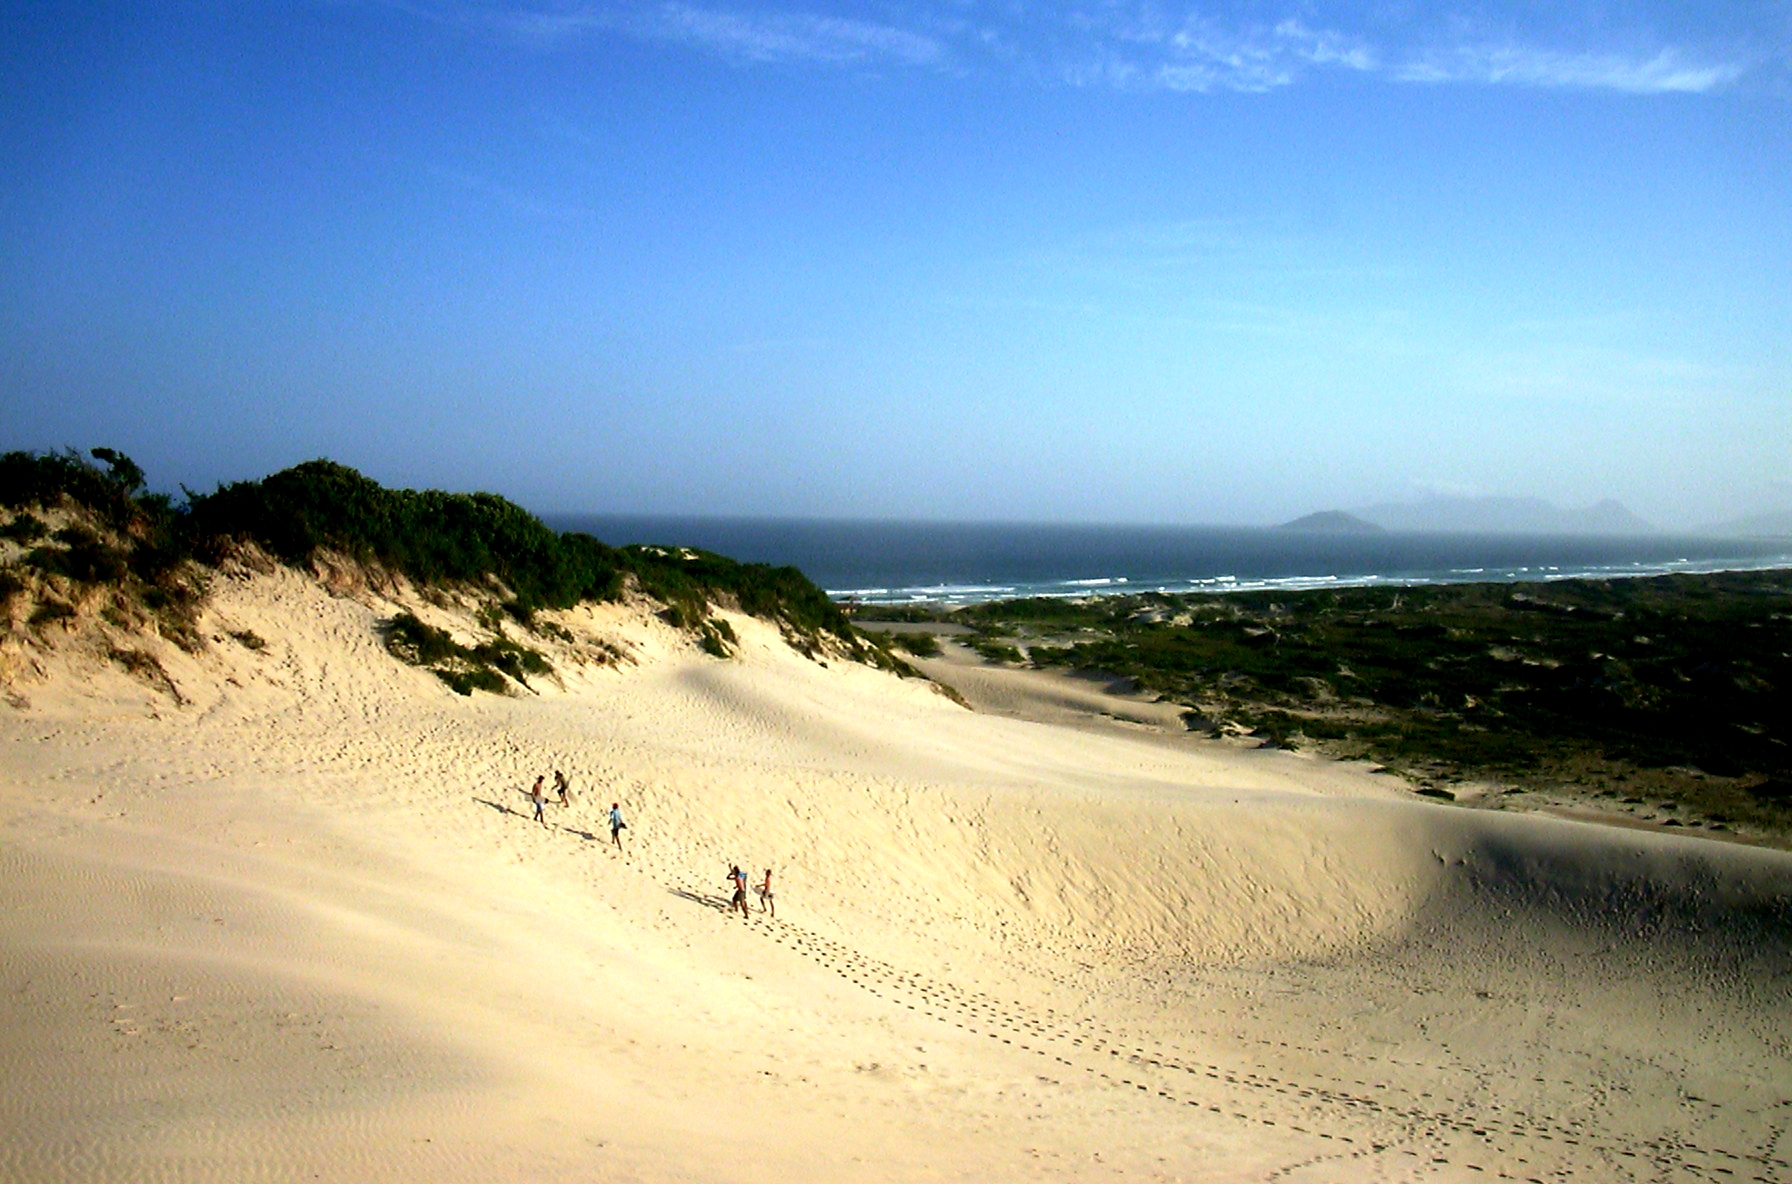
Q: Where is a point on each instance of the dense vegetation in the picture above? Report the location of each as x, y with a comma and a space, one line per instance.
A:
154, 552
428, 535
124, 538
1678, 687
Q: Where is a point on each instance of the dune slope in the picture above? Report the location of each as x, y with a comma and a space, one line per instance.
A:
284, 914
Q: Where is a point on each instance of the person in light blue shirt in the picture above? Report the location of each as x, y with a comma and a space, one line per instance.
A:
617, 826
738, 879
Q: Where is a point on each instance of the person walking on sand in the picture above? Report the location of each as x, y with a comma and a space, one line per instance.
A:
563, 788
764, 888
538, 799
617, 826
739, 879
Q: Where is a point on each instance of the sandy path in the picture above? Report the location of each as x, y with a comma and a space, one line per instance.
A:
303, 927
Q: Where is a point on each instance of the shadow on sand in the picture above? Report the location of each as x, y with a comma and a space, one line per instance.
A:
718, 903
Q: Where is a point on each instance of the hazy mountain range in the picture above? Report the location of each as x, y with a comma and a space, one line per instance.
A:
1776, 524
1522, 515
1504, 515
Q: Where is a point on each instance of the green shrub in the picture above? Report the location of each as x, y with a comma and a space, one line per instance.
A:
711, 641
922, 645
427, 535
465, 682
466, 670
410, 640
25, 529
48, 611
515, 660
996, 651
431, 537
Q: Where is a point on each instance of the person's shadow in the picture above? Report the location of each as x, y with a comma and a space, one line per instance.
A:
720, 904
500, 807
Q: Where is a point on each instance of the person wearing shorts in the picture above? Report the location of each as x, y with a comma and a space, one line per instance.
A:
739, 879
617, 826
764, 889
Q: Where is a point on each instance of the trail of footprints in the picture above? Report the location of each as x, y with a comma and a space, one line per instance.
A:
1534, 1148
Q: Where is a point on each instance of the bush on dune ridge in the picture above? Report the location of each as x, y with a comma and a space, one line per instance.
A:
430, 536
122, 539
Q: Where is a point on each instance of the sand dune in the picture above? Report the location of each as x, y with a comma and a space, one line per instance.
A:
283, 915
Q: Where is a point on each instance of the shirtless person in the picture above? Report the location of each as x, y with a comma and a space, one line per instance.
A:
764, 888
538, 799
738, 878
563, 788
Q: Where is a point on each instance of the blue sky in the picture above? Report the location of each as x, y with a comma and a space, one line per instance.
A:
1212, 263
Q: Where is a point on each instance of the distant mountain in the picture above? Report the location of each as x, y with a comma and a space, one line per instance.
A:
1505, 515
1332, 522
1775, 525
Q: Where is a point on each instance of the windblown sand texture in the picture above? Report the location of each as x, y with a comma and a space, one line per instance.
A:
283, 915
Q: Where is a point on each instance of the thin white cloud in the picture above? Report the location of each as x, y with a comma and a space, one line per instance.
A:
1327, 47
746, 34
1206, 46
786, 36
1665, 73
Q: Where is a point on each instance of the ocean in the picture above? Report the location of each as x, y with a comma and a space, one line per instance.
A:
959, 563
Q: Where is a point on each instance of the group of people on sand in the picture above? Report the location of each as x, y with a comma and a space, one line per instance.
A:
538, 798
737, 879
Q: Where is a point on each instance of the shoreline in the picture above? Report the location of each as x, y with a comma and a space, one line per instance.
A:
947, 597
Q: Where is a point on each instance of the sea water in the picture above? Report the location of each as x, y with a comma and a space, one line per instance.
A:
964, 562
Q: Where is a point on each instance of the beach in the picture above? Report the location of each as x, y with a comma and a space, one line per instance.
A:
280, 911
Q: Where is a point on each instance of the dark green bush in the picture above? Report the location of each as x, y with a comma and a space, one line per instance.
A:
513, 659
51, 610
465, 682
689, 580
25, 529
427, 535
711, 642
922, 645
82, 557
43, 480
466, 670
410, 640
996, 651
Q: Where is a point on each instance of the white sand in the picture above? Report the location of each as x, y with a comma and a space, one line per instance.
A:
300, 926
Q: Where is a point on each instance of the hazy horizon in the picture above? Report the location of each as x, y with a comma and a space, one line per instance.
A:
1220, 264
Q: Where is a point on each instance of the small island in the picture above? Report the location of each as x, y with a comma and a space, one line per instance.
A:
1332, 522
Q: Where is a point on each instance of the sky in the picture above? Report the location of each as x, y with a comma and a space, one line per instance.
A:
1211, 263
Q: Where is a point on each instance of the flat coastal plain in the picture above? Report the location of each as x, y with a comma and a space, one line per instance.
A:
279, 911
